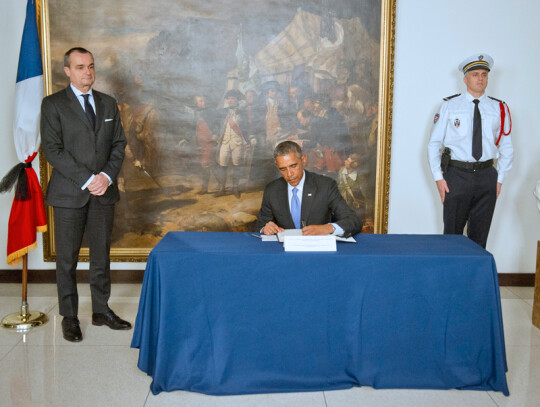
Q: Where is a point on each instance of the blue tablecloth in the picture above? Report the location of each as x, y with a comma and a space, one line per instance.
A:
225, 313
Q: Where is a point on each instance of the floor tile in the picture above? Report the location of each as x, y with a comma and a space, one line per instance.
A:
102, 367
9, 337
4, 350
117, 290
33, 290
188, 399
507, 294
126, 290
72, 376
525, 293
523, 378
369, 397
10, 290
49, 290
9, 305
51, 333
120, 305
518, 327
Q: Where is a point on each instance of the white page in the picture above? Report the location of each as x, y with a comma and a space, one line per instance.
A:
289, 232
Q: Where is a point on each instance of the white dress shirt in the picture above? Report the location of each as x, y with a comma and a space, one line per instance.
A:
79, 94
80, 98
338, 230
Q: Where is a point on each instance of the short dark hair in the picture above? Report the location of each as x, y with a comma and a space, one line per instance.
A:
287, 147
80, 50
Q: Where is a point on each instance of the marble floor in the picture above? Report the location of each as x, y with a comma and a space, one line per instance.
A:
40, 368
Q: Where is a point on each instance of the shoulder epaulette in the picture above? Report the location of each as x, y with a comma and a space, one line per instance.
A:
497, 100
450, 97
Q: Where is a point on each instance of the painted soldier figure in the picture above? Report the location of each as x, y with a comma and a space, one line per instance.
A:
232, 142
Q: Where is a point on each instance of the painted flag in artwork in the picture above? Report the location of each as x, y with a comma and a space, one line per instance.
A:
27, 215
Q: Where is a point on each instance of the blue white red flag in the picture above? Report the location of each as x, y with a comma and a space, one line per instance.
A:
27, 215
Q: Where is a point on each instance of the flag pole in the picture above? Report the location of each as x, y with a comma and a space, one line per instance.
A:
24, 320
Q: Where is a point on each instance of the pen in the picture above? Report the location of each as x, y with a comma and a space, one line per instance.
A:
304, 224
254, 235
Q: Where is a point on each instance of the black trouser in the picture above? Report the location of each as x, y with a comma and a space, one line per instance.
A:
69, 227
471, 201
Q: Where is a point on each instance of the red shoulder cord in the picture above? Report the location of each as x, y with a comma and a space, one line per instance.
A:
502, 133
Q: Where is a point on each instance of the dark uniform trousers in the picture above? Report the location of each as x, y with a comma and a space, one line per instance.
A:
70, 224
471, 201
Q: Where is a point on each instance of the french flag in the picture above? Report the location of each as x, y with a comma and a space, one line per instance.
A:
27, 215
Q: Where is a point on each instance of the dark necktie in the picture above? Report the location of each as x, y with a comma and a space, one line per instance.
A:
295, 208
477, 132
89, 110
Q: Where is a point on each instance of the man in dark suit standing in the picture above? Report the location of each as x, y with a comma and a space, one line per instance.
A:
303, 200
83, 139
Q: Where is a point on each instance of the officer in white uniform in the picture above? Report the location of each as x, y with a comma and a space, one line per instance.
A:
475, 130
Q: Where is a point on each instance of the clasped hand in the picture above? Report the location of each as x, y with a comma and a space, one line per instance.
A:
99, 185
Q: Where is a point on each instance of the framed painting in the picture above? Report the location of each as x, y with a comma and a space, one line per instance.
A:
317, 72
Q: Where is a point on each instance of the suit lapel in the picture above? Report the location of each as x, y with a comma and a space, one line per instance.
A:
308, 194
75, 105
99, 110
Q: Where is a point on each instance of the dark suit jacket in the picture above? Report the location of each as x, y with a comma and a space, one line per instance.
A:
76, 151
321, 204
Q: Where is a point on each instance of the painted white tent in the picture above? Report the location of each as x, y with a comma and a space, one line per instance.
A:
300, 43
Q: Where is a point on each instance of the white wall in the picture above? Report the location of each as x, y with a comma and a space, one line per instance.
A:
432, 37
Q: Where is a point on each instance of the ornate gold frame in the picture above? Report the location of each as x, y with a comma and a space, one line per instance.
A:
386, 85
386, 102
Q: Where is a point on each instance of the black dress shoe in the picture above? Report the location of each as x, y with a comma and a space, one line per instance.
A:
71, 329
110, 319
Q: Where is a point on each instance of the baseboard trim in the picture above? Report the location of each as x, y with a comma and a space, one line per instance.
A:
516, 280
136, 276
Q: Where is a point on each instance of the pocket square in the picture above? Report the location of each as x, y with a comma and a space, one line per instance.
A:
108, 120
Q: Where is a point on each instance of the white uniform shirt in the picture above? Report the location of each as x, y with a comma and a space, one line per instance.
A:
453, 128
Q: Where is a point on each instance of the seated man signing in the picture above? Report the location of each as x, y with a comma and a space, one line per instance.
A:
303, 200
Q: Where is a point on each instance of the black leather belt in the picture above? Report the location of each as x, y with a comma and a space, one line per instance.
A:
464, 165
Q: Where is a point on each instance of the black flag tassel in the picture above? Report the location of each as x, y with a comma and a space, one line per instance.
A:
17, 175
